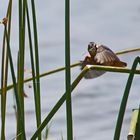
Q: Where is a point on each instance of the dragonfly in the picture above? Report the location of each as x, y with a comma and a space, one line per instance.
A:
100, 55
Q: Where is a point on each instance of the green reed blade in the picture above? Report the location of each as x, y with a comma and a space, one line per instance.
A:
37, 96
4, 72
20, 75
3, 94
68, 72
14, 84
124, 100
58, 105
47, 131
32, 62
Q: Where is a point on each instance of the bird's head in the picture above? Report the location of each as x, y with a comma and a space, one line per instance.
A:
92, 48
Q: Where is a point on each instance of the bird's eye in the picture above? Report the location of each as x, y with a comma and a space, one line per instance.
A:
89, 46
93, 44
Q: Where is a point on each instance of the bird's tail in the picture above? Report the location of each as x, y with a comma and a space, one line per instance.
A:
120, 64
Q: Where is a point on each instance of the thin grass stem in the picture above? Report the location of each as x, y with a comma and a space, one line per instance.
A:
128, 51
95, 67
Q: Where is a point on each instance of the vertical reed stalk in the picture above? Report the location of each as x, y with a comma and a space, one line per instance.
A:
4, 73
3, 91
33, 67
31, 55
137, 132
20, 75
31, 50
15, 86
37, 94
124, 100
68, 72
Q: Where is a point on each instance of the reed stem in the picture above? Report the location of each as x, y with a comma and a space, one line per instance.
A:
37, 68
124, 99
68, 72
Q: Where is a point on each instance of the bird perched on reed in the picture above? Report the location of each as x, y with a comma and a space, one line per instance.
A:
100, 55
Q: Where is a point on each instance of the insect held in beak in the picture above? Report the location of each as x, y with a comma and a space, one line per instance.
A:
100, 55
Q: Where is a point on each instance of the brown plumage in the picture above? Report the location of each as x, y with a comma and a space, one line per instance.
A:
101, 55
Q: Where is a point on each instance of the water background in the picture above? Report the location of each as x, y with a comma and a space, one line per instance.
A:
95, 102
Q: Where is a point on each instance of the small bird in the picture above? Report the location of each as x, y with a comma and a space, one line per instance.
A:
100, 55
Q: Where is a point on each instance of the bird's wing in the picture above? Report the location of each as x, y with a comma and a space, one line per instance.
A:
105, 56
93, 74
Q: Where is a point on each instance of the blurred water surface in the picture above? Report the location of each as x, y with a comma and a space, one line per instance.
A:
95, 102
